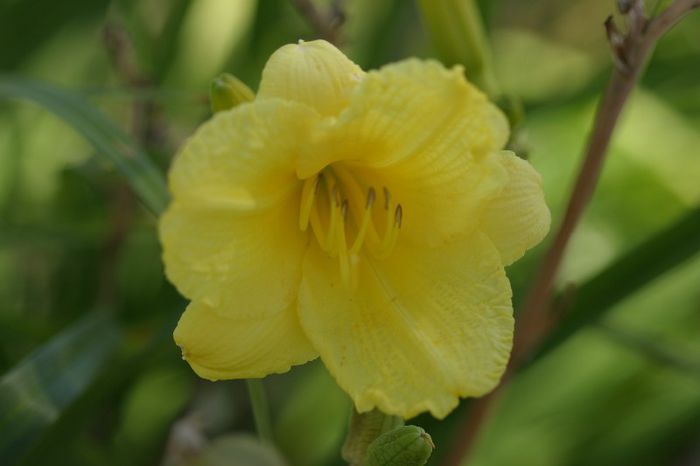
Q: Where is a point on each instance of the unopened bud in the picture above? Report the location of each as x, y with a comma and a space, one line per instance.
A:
403, 446
364, 429
227, 91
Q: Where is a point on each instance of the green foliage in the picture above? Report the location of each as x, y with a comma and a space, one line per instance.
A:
616, 382
312, 423
108, 139
36, 392
643, 264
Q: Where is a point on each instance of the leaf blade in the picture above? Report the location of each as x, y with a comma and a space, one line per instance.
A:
107, 138
659, 254
36, 391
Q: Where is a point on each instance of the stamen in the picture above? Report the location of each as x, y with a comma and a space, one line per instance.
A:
391, 236
317, 228
388, 222
335, 207
308, 194
364, 224
343, 257
342, 210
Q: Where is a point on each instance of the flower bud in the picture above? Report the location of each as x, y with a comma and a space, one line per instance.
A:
364, 429
227, 91
403, 446
457, 33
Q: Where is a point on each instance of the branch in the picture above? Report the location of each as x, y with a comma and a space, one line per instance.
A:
327, 26
630, 54
122, 201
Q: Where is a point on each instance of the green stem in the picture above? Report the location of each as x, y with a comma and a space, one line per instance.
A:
261, 411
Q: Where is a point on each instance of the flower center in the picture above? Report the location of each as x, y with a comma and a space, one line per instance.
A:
345, 218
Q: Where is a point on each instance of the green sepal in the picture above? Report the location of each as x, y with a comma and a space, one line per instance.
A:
364, 429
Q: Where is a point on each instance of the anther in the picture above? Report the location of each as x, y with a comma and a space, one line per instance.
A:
331, 205
390, 219
343, 256
370, 198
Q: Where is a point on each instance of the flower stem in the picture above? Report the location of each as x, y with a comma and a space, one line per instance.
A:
261, 410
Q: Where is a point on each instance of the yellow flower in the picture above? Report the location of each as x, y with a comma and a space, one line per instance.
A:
363, 217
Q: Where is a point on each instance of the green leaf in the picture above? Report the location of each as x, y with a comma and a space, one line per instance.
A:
640, 266
658, 352
35, 393
108, 139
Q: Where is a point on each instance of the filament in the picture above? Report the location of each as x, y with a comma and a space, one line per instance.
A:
343, 217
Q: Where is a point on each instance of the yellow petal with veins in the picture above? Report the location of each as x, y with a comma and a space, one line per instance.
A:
230, 236
427, 135
405, 111
518, 218
232, 347
242, 159
237, 264
422, 328
313, 73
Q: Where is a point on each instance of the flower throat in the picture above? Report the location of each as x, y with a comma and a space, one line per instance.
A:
345, 218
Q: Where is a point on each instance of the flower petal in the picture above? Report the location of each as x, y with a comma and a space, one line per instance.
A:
422, 328
314, 73
234, 347
238, 264
426, 134
230, 237
242, 159
518, 218
402, 112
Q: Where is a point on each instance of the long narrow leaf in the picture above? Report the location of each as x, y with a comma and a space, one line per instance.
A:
648, 261
34, 394
107, 138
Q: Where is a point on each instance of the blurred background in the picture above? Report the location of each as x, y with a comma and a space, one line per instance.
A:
92, 376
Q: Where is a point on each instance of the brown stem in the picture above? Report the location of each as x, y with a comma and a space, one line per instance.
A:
327, 26
122, 201
637, 47
631, 53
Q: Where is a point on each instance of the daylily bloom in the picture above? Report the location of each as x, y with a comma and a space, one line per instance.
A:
365, 218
